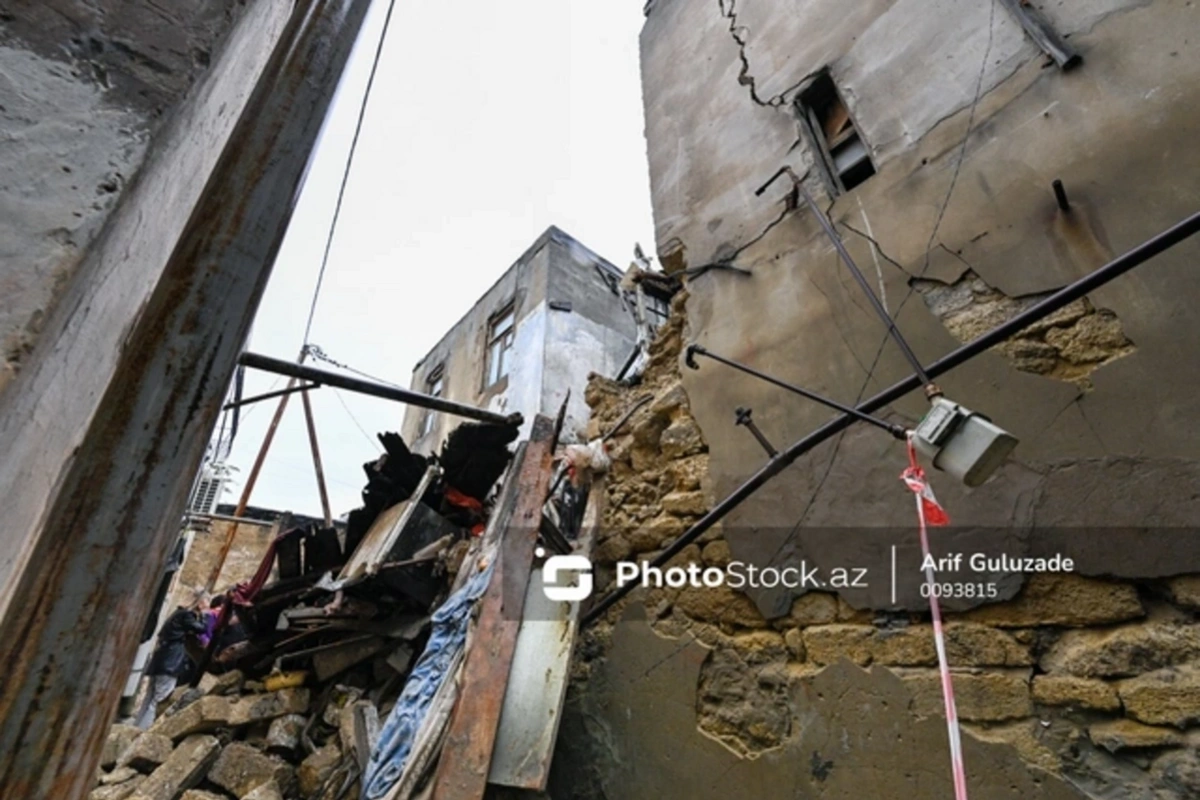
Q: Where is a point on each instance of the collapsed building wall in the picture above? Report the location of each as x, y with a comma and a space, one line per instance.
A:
967, 125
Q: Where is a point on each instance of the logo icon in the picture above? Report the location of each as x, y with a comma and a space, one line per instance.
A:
566, 578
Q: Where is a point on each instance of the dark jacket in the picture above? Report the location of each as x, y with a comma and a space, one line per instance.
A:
170, 653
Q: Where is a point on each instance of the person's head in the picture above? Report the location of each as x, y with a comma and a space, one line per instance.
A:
218, 601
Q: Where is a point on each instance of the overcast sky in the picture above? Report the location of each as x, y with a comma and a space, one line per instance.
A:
487, 123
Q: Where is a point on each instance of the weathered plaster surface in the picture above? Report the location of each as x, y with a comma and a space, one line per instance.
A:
48, 407
1105, 472
65, 156
83, 86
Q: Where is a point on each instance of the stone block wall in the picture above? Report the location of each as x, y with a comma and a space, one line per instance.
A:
250, 544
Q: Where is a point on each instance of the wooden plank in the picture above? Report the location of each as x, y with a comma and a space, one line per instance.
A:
466, 756
532, 707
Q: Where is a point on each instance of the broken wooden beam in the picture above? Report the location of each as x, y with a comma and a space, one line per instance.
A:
466, 757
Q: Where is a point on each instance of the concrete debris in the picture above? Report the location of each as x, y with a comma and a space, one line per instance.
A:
292, 707
147, 752
120, 737
118, 775
317, 768
211, 713
184, 769
267, 791
119, 791
283, 736
241, 769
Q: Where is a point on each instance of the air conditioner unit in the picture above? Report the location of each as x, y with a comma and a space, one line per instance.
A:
209, 488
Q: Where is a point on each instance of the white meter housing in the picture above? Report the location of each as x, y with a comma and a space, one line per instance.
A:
959, 441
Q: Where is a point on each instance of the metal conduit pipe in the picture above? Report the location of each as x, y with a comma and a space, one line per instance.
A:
319, 376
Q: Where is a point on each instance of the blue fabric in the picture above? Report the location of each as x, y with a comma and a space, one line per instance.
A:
396, 738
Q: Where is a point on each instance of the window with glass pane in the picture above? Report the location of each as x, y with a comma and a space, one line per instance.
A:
501, 331
434, 385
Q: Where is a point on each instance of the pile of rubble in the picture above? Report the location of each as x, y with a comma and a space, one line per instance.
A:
294, 710
231, 737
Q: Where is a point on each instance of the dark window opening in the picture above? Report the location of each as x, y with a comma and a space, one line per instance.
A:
842, 155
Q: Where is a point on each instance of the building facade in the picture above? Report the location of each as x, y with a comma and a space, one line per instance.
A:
555, 316
933, 133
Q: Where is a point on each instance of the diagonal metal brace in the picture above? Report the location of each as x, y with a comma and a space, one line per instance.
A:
693, 350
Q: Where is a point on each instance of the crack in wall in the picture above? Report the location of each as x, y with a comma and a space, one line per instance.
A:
728, 9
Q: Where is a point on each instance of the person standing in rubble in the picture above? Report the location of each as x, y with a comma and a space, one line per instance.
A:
170, 659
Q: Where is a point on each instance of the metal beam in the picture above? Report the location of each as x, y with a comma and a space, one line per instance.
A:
103, 538
1063, 297
258, 398
280, 367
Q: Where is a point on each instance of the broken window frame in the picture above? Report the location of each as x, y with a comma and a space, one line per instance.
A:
822, 95
501, 331
435, 385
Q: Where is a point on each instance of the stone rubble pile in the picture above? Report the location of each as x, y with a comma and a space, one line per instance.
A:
232, 739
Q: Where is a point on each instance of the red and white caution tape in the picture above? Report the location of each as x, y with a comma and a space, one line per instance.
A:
930, 513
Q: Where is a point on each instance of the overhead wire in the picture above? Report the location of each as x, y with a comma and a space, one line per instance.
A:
337, 210
338, 394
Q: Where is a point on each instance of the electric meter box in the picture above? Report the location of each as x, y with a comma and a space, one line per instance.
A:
959, 441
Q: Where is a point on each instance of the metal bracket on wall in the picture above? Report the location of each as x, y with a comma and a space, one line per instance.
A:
1038, 28
745, 420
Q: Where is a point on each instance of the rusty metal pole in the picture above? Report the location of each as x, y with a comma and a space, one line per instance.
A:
316, 454
251, 479
84, 583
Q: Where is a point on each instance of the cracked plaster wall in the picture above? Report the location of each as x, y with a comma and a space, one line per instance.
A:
1110, 402
1109, 455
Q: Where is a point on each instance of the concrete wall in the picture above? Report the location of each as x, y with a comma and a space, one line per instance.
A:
596, 335
554, 350
86, 245
84, 86
968, 125
462, 352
